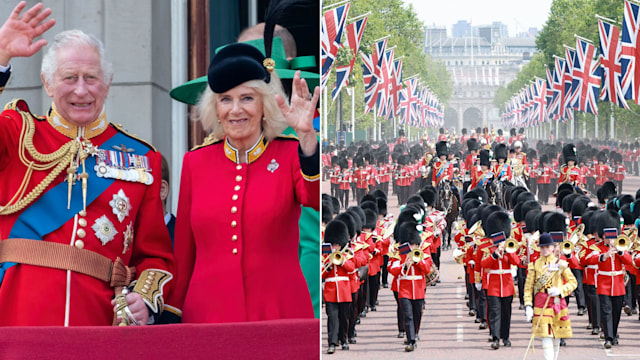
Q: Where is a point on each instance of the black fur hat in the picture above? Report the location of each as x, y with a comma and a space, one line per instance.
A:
606, 191
528, 206
517, 213
408, 233
469, 204
464, 131
336, 233
442, 148
561, 195
377, 193
567, 202
382, 206
526, 196
579, 206
429, 196
544, 158
625, 213
472, 144
569, 153
499, 131
531, 220
500, 152
367, 197
350, 221
607, 219
477, 193
371, 218
512, 131
485, 157
327, 212
555, 221
371, 205
484, 215
498, 221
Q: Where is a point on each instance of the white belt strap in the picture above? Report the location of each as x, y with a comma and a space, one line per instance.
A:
411, 277
591, 267
337, 278
610, 273
500, 272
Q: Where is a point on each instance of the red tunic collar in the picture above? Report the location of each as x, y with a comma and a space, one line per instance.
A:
71, 131
253, 154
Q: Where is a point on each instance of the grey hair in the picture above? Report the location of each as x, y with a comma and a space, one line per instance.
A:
71, 38
273, 123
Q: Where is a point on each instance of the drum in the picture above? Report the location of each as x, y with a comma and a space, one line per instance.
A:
433, 275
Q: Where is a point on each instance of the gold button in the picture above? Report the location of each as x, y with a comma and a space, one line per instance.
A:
234, 223
82, 213
238, 178
146, 286
144, 291
234, 210
81, 233
148, 282
234, 238
152, 272
236, 188
79, 244
150, 277
234, 197
235, 251
239, 167
82, 222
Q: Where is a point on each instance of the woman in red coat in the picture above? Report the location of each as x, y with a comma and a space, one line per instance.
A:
236, 240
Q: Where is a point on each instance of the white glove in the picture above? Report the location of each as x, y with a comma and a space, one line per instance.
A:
478, 286
528, 312
554, 291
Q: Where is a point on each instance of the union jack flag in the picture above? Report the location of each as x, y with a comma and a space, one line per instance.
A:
370, 82
586, 78
412, 93
352, 42
610, 50
405, 107
396, 86
630, 71
566, 113
539, 101
559, 88
383, 85
331, 34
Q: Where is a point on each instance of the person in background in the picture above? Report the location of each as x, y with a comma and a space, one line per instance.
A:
169, 218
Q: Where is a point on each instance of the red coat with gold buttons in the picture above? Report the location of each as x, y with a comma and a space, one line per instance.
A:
236, 237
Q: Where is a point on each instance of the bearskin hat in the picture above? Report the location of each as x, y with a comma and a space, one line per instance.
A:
485, 158
528, 206
327, 212
408, 233
569, 153
382, 206
350, 221
606, 191
607, 219
472, 144
336, 233
579, 205
429, 196
498, 221
512, 131
477, 193
464, 131
531, 220
544, 158
371, 219
371, 205
442, 148
555, 221
500, 152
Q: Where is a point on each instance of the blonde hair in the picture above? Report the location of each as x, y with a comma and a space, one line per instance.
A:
273, 122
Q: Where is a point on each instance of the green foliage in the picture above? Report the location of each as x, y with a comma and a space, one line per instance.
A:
406, 32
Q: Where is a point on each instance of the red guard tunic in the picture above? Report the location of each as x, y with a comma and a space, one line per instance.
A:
545, 174
443, 137
441, 170
479, 177
334, 175
610, 272
502, 171
583, 256
345, 179
113, 226
618, 172
337, 288
411, 283
601, 173
227, 211
498, 270
373, 174
470, 161
361, 177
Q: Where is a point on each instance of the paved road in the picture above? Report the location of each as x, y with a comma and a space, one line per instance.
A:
447, 331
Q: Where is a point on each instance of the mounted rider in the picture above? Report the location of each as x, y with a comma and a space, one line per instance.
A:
481, 175
569, 172
502, 171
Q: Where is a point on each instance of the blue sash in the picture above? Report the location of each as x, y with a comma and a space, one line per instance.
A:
50, 212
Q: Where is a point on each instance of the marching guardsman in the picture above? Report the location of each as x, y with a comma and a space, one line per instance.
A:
442, 168
361, 178
401, 138
610, 274
500, 138
435, 223
500, 281
532, 170
549, 281
344, 180
589, 279
464, 137
384, 173
586, 174
481, 175
402, 179
502, 171
544, 174
569, 172
471, 160
513, 136
410, 270
373, 238
337, 264
618, 171
334, 175
483, 243
601, 169
371, 170
521, 136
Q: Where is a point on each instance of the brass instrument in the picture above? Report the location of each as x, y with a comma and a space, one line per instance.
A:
569, 245
417, 255
622, 243
511, 246
458, 255
476, 230
337, 258
389, 231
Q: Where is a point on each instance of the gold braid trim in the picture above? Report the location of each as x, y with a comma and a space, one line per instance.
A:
58, 160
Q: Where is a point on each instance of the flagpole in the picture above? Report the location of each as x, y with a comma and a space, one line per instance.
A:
607, 19
353, 114
324, 115
582, 38
584, 126
335, 5
612, 135
595, 134
359, 17
375, 120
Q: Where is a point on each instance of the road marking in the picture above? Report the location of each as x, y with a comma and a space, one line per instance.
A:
460, 333
459, 311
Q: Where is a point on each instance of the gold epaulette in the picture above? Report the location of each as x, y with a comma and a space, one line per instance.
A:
150, 286
594, 247
121, 129
209, 140
21, 106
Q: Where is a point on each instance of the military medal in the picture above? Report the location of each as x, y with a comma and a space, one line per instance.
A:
273, 165
128, 237
120, 205
104, 229
122, 165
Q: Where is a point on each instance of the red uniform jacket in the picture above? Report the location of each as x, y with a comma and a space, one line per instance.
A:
589, 270
345, 179
361, 177
545, 174
601, 173
123, 220
334, 175
441, 170
610, 273
226, 213
470, 161
373, 175
480, 178
337, 288
411, 284
618, 172
498, 270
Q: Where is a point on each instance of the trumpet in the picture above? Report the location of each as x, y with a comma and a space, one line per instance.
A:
569, 245
417, 255
511, 246
337, 258
622, 243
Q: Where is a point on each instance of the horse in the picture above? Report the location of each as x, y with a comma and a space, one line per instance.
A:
495, 190
448, 203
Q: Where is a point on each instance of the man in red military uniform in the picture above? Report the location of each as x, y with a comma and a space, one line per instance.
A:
464, 137
618, 171
481, 174
502, 171
610, 274
472, 157
601, 169
443, 136
544, 175
500, 288
75, 189
334, 175
442, 168
361, 178
337, 290
569, 172
500, 138
589, 279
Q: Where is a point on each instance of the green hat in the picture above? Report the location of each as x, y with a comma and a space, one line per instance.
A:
190, 91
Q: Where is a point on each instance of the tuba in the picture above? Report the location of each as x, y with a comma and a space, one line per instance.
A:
569, 245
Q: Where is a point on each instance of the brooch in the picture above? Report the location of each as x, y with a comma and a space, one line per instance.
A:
120, 205
273, 166
104, 229
128, 237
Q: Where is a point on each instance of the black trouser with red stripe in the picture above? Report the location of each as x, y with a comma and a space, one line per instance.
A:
412, 310
337, 314
499, 309
593, 306
610, 308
